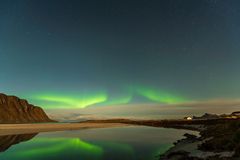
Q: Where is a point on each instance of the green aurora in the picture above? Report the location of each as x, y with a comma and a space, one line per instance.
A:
57, 145
158, 96
55, 148
72, 101
41, 148
100, 98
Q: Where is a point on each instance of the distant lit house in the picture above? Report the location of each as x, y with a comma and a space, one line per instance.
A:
188, 118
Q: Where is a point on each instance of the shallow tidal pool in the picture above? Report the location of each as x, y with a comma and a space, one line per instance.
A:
128, 143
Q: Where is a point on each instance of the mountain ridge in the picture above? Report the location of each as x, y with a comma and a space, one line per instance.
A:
16, 110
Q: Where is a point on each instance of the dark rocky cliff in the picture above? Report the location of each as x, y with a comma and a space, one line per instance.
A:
7, 141
15, 110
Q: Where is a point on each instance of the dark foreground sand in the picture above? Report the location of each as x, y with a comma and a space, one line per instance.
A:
11, 129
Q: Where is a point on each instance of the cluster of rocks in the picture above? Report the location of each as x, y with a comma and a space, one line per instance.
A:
188, 149
217, 141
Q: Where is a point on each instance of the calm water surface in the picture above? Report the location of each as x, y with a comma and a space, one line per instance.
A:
128, 143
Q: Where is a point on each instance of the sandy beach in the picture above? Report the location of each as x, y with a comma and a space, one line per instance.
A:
11, 129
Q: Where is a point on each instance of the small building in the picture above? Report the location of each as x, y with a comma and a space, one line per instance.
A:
188, 118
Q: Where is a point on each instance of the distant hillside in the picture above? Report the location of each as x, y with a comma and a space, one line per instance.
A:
15, 110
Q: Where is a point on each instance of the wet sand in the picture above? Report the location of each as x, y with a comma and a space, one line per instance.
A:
12, 129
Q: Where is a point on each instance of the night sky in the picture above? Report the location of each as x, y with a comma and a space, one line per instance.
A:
75, 54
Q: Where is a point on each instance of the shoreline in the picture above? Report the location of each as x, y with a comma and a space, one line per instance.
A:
24, 128
187, 148
219, 138
194, 125
13, 129
216, 142
210, 145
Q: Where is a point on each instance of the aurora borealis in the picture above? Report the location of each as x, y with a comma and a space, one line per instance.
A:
83, 100
56, 145
69, 54
80, 101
